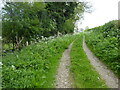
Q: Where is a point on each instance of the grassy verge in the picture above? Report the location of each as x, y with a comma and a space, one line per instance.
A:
97, 51
34, 66
103, 42
83, 73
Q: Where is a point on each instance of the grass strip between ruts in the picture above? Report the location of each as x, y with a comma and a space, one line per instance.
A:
84, 75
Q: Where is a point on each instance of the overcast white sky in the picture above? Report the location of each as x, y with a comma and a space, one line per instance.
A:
104, 11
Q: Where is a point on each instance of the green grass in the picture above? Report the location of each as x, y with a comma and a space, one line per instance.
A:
83, 73
103, 42
34, 66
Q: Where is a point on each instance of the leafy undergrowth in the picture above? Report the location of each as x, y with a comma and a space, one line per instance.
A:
84, 74
34, 66
103, 42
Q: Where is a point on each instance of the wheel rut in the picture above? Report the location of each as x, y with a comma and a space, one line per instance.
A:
63, 79
106, 74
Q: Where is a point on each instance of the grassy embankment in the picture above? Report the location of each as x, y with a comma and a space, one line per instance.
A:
34, 66
83, 73
103, 42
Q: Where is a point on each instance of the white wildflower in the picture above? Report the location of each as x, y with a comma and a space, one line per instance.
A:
13, 67
1, 64
46, 42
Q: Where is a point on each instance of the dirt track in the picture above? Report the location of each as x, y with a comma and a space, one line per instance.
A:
106, 74
63, 76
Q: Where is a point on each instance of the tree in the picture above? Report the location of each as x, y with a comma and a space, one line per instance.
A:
27, 21
62, 11
20, 22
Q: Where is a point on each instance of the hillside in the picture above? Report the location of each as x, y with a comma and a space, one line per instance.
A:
43, 48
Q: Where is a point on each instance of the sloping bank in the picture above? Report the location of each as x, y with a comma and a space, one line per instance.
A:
103, 42
34, 66
84, 75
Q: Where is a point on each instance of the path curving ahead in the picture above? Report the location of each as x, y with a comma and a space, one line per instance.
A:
106, 74
63, 77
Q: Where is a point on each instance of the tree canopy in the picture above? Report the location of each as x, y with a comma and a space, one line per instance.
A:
27, 21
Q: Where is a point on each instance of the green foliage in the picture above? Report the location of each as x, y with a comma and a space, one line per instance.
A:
83, 73
25, 21
34, 66
60, 12
68, 26
20, 23
103, 41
